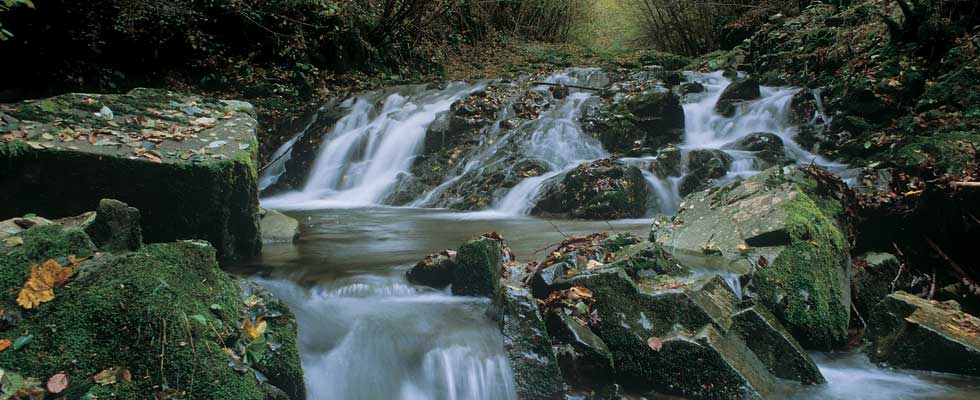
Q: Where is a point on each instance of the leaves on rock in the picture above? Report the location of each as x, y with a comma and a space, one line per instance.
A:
254, 329
57, 382
44, 279
112, 375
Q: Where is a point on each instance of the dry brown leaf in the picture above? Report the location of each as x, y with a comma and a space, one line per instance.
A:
57, 382
44, 278
4, 344
655, 343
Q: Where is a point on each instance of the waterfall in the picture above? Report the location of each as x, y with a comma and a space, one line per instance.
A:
370, 148
282, 155
557, 140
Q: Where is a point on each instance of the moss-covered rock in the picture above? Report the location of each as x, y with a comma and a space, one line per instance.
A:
667, 162
783, 229
738, 92
163, 312
704, 166
528, 346
774, 346
435, 270
767, 148
873, 277
187, 162
584, 359
479, 264
641, 122
910, 332
116, 226
603, 189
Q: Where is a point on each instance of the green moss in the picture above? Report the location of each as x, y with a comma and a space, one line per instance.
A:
950, 153
40, 243
803, 284
477, 272
123, 310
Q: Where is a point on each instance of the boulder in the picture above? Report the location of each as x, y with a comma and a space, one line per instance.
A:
117, 309
187, 162
738, 92
646, 260
781, 226
704, 166
641, 123
603, 189
667, 163
691, 88
479, 263
873, 277
536, 371
660, 116
767, 148
116, 227
435, 270
774, 346
277, 227
913, 333
584, 359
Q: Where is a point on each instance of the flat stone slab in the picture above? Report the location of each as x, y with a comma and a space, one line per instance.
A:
186, 161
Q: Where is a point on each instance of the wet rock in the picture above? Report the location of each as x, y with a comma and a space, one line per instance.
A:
584, 359
116, 227
603, 189
703, 167
536, 371
435, 270
660, 116
646, 260
674, 339
780, 226
691, 88
277, 227
478, 268
152, 155
667, 163
767, 148
303, 154
873, 277
910, 332
740, 91
774, 346
640, 123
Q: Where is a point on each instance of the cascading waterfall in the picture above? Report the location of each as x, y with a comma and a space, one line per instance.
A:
370, 148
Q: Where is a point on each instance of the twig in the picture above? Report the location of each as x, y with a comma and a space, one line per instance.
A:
972, 185
163, 350
860, 318
546, 248
932, 285
971, 285
556, 228
562, 84
190, 337
611, 226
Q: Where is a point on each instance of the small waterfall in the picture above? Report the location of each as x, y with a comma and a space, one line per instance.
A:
557, 140
371, 147
735, 284
282, 155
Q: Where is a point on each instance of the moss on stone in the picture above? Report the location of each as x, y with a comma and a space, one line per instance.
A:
478, 268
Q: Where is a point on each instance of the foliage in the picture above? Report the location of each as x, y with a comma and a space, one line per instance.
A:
6, 5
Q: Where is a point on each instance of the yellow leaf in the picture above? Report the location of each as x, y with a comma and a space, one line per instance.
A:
112, 375
4, 344
913, 192
254, 330
44, 278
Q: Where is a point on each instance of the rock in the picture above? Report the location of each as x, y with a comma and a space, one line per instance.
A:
641, 123
872, 277
277, 227
674, 340
14, 226
166, 290
774, 346
435, 270
691, 88
300, 158
660, 116
116, 227
913, 333
528, 346
767, 148
183, 192
603, 189
739, 91
478, 269
667, 163
646, 260
703, 167
584, 359
783, 228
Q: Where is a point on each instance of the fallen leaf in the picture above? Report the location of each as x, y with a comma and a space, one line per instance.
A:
655, 343
4, 344
57, 383
22, 341
110, 376
44, 278
256, 329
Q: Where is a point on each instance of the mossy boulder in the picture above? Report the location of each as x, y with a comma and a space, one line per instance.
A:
910, 332
116, 226
783, 228
584, 359
163, 312
774, 346
187, 162
767, 148
479, 264
667, 163
604, 189
639, 123
528, 346
738, 92
873, 277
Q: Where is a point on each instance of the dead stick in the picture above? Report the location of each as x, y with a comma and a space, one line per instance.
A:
569, 86
973, 185
971, 285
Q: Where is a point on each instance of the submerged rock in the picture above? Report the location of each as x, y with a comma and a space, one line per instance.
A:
603, 189
910, 332
190, 170
528, 346
738, 92
278, 227
782, 228
435, 270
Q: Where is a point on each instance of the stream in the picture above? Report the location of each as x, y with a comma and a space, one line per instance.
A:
366, 333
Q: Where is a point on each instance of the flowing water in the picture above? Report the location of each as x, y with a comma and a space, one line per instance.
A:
366, 333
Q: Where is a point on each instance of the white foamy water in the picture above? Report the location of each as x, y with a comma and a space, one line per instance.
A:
373, 337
